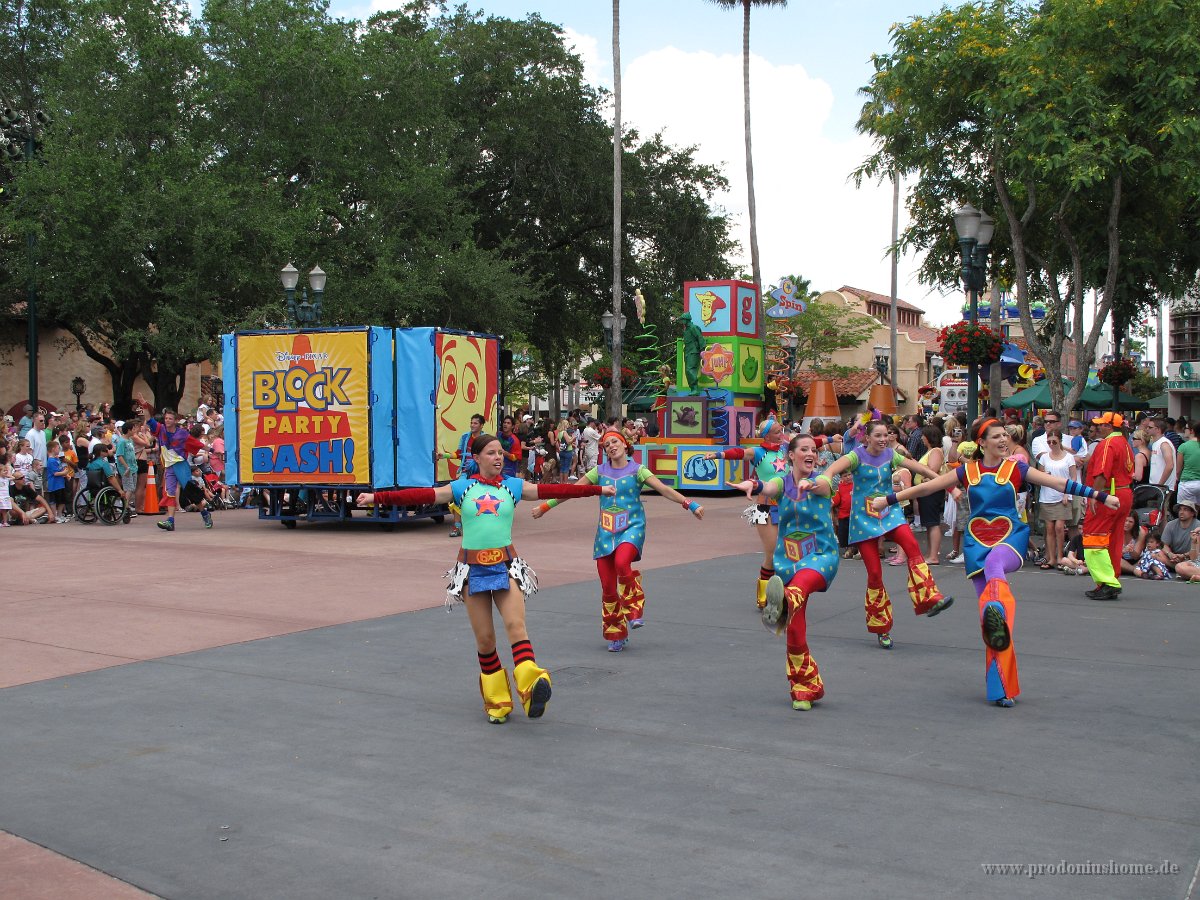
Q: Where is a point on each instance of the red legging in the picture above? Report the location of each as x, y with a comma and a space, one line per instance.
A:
619, 563
869, 550
810, 581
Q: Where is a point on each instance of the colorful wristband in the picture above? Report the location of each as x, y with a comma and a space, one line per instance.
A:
758, 487
693, 506
1080, 490
892, 499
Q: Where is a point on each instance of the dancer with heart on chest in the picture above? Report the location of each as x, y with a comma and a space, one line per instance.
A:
871, 465
995, 541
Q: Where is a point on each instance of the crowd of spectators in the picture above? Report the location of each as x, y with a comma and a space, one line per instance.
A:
48, 457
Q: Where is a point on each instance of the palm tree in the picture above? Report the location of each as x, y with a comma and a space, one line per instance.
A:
615, 391
745, 5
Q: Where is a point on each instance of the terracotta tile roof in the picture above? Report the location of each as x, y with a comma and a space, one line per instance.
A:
851, 385
931, 336
879, 298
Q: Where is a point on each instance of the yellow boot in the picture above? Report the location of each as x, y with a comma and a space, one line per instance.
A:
497, 700
533, 687
762, 593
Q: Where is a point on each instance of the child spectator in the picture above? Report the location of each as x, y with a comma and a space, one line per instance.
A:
125, 454
5, 499
1072, 560
1149, 566
56, 485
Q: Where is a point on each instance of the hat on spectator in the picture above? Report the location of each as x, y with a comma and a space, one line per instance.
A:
1188, 503
1116, 420
526, 417
1074, 423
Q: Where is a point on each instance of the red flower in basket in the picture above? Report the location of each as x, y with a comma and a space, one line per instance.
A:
970, 343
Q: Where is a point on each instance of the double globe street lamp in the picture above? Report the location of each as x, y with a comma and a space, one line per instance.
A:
975, 231
304, 313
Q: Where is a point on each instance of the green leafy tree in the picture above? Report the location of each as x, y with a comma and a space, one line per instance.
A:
1070, 121
1145, 386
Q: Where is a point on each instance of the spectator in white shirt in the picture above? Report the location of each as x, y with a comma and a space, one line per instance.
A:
1162, 454
1053, 422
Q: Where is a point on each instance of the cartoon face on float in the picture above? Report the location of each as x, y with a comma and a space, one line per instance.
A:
465, 387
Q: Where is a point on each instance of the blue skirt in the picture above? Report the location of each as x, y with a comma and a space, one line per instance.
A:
482, 579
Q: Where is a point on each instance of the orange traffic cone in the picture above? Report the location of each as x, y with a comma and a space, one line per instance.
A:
150, 505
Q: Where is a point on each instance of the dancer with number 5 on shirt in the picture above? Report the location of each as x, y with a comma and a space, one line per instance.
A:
488, 564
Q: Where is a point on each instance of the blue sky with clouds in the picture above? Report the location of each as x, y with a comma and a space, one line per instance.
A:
682, 73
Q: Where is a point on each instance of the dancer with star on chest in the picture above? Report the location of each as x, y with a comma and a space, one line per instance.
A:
620, 534
488, 564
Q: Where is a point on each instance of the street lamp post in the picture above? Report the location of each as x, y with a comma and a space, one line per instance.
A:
974, 229
18, 141
883, 356
78, 388
304, 313
937, 365
616, 389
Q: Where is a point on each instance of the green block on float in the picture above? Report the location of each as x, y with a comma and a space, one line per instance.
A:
736, 361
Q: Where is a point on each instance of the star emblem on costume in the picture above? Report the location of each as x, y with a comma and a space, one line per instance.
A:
780, 464
487, 505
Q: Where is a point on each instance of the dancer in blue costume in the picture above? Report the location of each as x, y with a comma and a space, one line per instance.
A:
995, 541
621, 534
871, 467
805, 559
768, 460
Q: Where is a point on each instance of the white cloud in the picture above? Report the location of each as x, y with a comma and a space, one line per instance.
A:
597, 63
811, 219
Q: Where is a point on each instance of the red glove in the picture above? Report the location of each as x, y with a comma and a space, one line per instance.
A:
406, 497
734, 453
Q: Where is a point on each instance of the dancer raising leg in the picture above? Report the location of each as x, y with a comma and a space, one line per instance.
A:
995, 541
805, 560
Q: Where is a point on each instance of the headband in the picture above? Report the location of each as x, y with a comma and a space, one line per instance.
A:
981, 430
766, 426
615, 433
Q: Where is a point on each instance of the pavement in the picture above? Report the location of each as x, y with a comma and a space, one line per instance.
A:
255, 712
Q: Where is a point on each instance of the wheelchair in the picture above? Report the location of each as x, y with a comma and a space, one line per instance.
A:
99, 501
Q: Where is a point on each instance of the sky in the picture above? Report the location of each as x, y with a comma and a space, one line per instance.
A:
682, 75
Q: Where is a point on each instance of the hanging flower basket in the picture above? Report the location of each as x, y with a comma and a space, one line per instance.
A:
965, 344
1117, 372
602, 374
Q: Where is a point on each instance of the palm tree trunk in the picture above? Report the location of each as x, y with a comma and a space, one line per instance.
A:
749, 155
614, 391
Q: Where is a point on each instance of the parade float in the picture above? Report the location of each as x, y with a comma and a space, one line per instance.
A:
712, 398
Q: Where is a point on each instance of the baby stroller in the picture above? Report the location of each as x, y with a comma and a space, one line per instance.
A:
222, 496
1151, 504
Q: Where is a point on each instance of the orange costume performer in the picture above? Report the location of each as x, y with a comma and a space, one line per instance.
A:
1111, 470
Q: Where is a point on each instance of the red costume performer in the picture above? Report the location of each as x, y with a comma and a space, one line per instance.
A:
1110, 469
